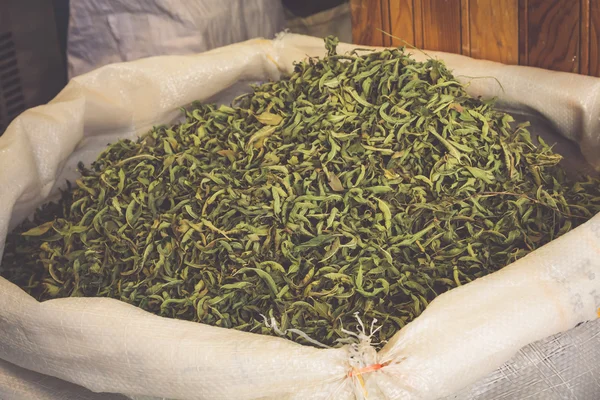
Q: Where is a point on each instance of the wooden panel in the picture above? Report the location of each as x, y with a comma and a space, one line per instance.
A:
494, 30
385, 23
562, 35
594, 43
418, 15
401, 22
523, 31
584, 34
366, 22
553, 34
465, 24
441, 25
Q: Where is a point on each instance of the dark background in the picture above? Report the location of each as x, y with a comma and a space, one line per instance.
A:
33, 41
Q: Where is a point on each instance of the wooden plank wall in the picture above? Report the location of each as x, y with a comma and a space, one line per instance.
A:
561, 35
594, 42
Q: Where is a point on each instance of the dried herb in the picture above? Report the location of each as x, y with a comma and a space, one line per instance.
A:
362, 183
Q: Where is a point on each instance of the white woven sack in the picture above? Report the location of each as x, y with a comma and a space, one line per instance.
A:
108, 346
108, 31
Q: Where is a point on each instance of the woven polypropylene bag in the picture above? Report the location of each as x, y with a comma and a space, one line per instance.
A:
465, 334
109, 31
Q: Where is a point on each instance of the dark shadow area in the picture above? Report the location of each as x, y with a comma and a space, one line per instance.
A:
33, 41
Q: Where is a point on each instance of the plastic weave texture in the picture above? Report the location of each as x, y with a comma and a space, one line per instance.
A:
109, 31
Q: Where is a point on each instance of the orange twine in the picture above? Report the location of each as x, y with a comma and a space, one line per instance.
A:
364, 370
357, 373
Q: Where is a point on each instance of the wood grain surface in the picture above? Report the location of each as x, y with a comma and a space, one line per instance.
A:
594, 42
441, 25
402, 22
562, 35
553, 34
523, 29
367, 19
385, 23
465, 26
418, 13
494, 30
584, 37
